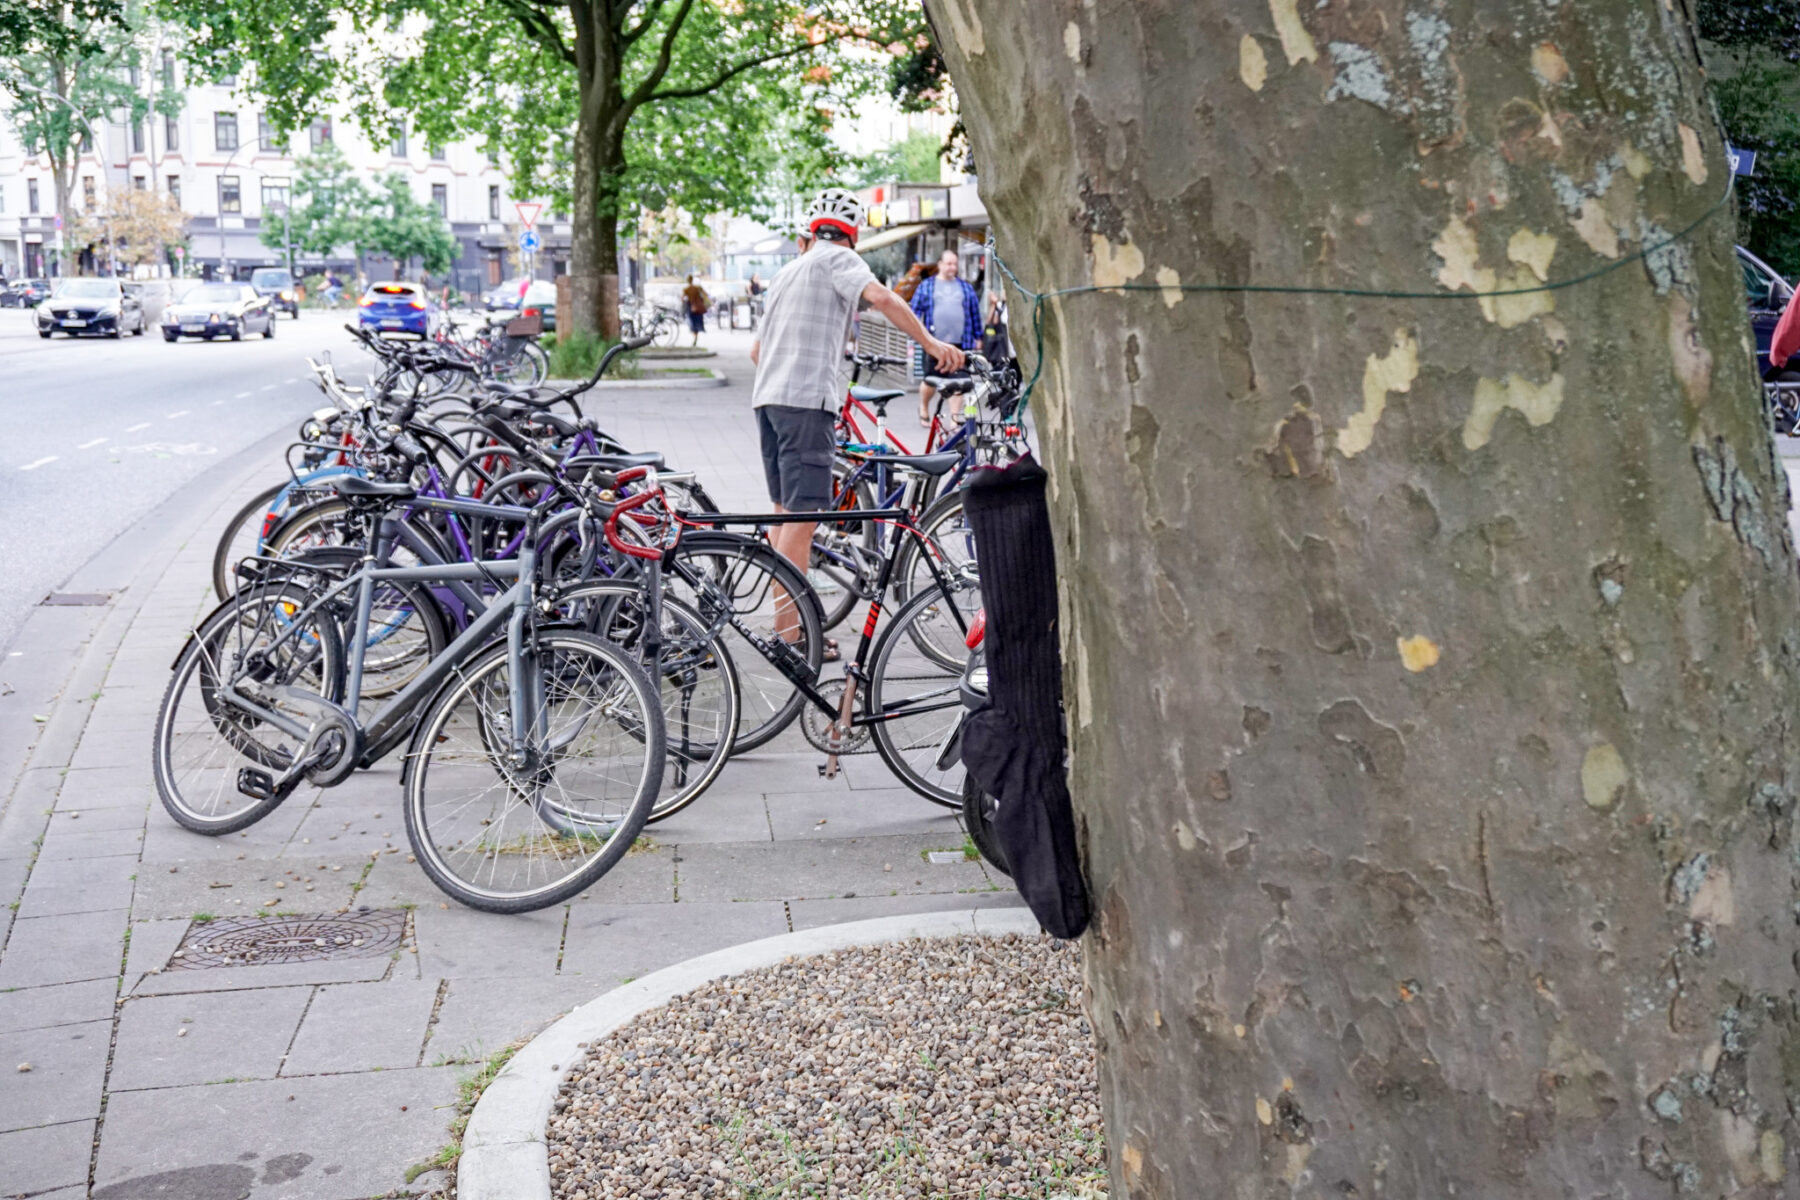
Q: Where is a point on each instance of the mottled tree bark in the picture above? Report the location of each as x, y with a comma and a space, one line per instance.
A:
599, 161
1431, 662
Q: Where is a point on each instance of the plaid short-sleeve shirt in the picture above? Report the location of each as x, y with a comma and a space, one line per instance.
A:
805, 325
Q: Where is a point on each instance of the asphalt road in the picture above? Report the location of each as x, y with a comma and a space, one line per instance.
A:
99, 432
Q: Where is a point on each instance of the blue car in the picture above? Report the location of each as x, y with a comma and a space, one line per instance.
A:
397, 307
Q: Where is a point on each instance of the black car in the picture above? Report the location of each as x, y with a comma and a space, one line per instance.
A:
219, 310
103, 306
277, 286
25, 293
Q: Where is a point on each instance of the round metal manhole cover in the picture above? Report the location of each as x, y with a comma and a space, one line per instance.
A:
262, 941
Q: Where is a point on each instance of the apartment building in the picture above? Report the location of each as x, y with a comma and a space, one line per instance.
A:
233, 174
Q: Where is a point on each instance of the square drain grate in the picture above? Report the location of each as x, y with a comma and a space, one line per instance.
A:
262, 941
76, 600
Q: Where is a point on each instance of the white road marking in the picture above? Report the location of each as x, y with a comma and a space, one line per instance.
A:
90, 445
241, 396
138, 426
295, 379
216, 403
32, 466
173, 415
268, 387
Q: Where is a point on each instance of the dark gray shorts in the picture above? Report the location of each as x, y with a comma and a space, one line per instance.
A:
796, 452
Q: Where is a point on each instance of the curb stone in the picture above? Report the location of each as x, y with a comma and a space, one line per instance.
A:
505, 1156
680, 383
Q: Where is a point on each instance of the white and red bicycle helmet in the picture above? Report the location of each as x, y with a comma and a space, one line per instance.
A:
838, 208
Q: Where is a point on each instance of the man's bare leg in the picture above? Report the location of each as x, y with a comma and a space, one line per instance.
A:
794, 543
926, 392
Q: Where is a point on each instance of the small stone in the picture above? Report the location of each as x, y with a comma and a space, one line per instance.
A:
181, 1033
74, 816
24, 1068
887, 866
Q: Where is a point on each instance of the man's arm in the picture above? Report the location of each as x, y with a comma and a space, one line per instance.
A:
886, 302
756, 352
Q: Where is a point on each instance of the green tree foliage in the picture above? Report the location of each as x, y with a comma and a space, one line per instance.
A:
609, 106
62, 83
1753, 47
918, 158
405, 228
328, 206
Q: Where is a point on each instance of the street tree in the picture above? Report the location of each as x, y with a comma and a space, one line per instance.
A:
1430, 637
132, 226
612, 106
403, 227
46, 26
60, 86
327, 206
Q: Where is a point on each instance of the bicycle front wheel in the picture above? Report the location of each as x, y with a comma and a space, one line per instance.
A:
918, 698
509, 820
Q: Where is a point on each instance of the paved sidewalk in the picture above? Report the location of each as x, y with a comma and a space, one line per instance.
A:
154, 1074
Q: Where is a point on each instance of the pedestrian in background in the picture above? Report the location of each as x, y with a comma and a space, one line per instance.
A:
697, 304
948, 307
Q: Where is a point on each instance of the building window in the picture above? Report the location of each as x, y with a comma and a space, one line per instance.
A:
175, 188
437, 154
171, 133
440, 199
87, 192
137, 137
225, 131
31, 195
168, 69
398, 150
493, 156
493, 202
134, 76
321, 133
269, 137
230, 201
229, 81
275, 191
138, 183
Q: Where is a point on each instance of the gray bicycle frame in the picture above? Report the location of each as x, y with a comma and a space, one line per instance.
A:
511, 608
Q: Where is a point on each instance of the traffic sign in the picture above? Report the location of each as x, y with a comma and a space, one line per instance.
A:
528, 240
1743, 162
59, 222
528, 213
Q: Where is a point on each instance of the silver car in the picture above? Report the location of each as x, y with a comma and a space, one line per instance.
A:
219, 309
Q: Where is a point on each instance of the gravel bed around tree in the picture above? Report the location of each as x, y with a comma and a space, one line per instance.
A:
931, 1068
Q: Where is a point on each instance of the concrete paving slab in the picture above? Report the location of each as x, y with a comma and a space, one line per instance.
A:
105, 787
893, 811
812, 914
277, 975
71, 819
480, 1016
85, 872
766, 771
33, 1161
614, 943
63, 949
152, 942
171, 1041
329, 1137
53, 901
197, 887
823, 869
715, 817
461, 943
68, 1068
644, 876
363, 1027
63, 843
12, 880
57, 1004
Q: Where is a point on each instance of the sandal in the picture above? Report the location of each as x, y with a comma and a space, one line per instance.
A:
831, 652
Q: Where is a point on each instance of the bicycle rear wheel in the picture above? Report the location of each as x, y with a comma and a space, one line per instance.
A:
513, 834
747, 576
240, 537
920, 697
201, 741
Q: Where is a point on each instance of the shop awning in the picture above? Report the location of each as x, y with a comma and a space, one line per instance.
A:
886, 237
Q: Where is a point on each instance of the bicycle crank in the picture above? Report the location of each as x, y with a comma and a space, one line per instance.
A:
834, 737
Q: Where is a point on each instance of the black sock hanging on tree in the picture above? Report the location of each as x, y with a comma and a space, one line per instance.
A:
1014, 746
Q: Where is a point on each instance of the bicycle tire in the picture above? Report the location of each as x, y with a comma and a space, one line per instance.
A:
231, 549
910, 746
838, 547
746, 567
228, 742
945, 527
693, 762
607, 827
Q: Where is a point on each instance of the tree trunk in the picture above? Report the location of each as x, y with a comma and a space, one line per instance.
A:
599, 158
1431, 663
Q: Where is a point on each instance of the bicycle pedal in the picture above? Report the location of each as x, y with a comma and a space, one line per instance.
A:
258, 785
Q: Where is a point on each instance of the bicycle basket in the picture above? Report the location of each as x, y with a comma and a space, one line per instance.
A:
530, 326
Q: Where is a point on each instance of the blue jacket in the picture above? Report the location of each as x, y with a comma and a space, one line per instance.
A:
925, 298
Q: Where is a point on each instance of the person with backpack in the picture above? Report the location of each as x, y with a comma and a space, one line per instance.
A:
697, 304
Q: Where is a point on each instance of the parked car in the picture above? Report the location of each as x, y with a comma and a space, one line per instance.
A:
103, 306
506, 295
540, 298
397, 307
276, 285
25, 293
1768, 294
219, 309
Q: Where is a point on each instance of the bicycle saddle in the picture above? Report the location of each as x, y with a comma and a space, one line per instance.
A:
561, 426
925, 464
869, 395
616, 462
356, 486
